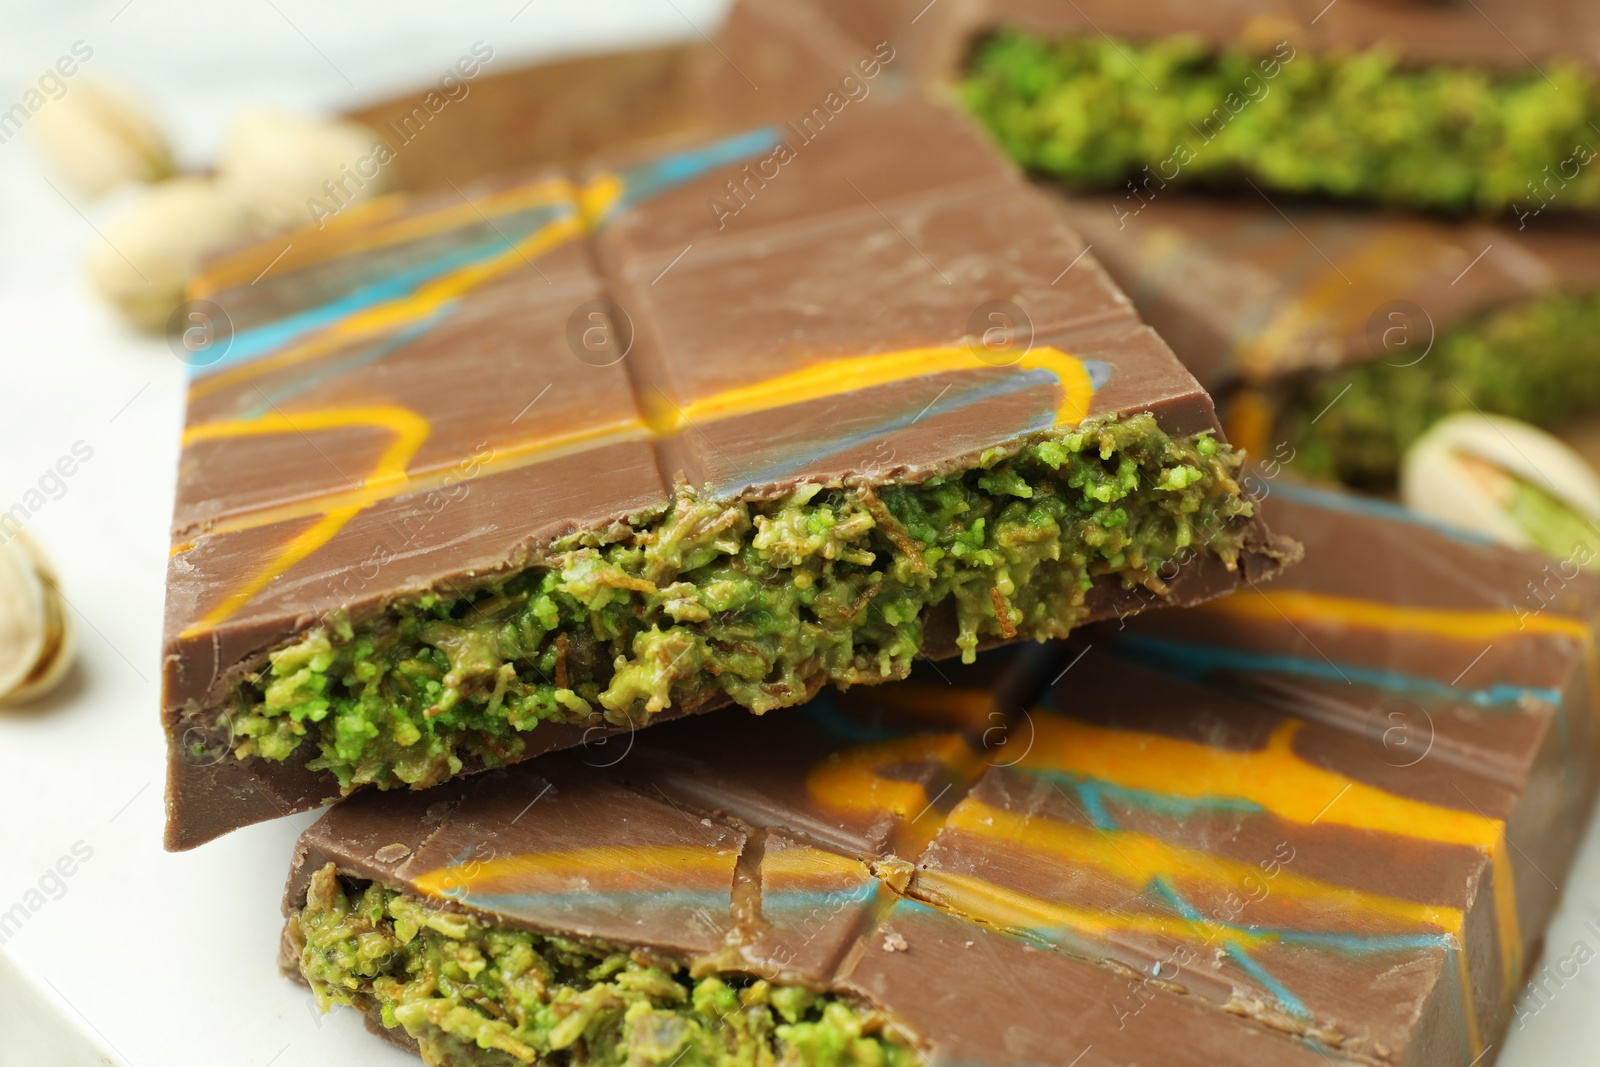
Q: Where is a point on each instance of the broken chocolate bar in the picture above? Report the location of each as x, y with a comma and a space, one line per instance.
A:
1320, 823
470, 476
1273, 312
1490, 108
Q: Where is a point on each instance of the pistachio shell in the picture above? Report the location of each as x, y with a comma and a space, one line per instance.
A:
36, 635
276, 164
1437, 478
149, 254
97, 138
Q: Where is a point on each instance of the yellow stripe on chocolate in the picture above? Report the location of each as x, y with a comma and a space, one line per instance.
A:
1274, 778
983, 901
820, 380
603, 867
521, 454
392, 315
385, 226
1136, 859
599, 196
833, 377
979, 900
1455, 624
1277, 780
810, 864
853, 781
1336, 302
408, 429
1473, 626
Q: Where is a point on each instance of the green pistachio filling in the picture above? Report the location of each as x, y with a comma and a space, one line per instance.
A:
1099, 113
472, 994
761, 601
1534, 361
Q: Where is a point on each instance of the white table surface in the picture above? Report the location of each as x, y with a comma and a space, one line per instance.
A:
157, 960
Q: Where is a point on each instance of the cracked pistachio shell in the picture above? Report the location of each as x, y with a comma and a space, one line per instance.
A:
149, 254
276, 165
1442, 475
36, 636
96, 138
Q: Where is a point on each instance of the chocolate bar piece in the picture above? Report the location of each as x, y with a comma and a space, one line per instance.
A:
477, 474
1321, 823
1491, 107
1273, 310
555, 113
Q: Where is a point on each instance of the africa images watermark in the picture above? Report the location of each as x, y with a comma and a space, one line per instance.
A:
1552, 977
50, 485
52, 85
753, 178
1252, 89
342, 190
51, 885
1552, 179
409, 527
1165, 973
1554, 577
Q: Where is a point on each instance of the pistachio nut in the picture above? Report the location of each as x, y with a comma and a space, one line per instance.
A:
149, 254
98, 137
290, 171
1508, 480
36, 635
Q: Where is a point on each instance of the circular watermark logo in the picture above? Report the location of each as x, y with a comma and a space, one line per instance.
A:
999, 333
208, 743
199, 332
600, 332
1008, 738
599, 739
1402, 332
1403, 732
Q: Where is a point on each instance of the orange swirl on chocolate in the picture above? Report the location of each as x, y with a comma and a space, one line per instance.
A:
594, 870
391, 315
1335, 303
816, 381
379, 223
388, 477
1277, 780
1274, 779
1135, 859
859, 781
335, 328
1301, 606
853, 373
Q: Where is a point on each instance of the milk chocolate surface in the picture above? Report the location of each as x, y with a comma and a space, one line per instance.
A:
427, 391
1248, 294
1323, 822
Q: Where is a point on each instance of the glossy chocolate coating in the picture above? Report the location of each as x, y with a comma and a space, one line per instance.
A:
1321, 822
1246, 294
428, 391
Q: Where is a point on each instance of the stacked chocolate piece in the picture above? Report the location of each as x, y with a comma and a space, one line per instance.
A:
817, 393
1350, 221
